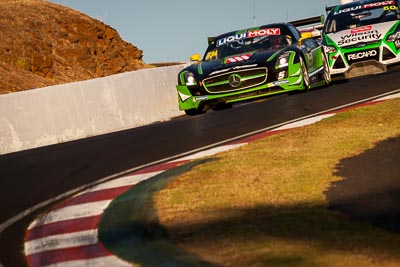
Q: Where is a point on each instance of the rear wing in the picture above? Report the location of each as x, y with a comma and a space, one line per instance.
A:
210, 40
318, 20
313, 25
329, 9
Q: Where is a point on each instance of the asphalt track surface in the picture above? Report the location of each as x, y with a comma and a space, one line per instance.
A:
34, 176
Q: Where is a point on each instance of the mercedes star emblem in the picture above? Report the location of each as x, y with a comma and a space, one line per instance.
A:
235, 80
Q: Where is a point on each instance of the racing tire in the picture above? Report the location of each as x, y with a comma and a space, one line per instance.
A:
306, 78
327, 73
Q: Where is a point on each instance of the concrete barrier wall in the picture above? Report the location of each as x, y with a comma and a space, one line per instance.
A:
67, 112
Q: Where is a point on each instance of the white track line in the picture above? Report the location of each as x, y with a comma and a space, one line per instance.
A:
72, 212
124, 181
304, 122
110, 261
389, 97
210, 152
54, 242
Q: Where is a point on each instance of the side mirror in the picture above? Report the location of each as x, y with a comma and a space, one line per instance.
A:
195, 57
306, 35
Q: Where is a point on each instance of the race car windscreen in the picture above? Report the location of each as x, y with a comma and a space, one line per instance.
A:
245, 42
361, 15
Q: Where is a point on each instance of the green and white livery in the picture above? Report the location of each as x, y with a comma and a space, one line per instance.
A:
362, 37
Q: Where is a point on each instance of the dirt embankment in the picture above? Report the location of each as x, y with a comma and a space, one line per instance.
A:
45, 44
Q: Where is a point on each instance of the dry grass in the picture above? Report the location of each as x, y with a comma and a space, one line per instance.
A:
264, 204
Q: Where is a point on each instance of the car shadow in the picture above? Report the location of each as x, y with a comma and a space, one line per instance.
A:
370, 190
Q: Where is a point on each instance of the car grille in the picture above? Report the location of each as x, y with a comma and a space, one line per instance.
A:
235, 80
368, 54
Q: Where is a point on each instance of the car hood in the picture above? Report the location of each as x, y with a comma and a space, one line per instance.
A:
370, 33
240, 61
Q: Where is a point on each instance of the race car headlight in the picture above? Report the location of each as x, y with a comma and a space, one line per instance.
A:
189, 79
283, 60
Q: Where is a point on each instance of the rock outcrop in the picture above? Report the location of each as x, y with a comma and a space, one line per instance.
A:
44, 44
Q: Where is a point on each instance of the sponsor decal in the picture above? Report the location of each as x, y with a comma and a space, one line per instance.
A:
212, 55
234, 68
280, 82
237, 58
200, 98
358, 34
248, 34
361, 29
281, 75
245, 66
264, 32
378, 4
365, 6
361, 55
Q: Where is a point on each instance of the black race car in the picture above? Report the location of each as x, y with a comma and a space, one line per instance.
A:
251, 63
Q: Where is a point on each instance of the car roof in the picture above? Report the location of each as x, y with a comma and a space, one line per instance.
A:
336, 9
362, 2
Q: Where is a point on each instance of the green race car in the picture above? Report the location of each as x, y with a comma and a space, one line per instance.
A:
362, 37
251, 63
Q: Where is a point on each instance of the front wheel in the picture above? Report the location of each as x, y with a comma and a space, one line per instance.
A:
306, 78
327, 72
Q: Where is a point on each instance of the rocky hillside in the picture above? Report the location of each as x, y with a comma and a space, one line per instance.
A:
44, 44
